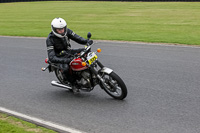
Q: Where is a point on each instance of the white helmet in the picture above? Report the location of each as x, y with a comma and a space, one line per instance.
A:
59, 23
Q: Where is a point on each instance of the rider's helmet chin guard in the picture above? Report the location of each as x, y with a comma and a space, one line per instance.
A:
59, 23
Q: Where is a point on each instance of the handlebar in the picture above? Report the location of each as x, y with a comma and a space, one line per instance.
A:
86, 48
85, 51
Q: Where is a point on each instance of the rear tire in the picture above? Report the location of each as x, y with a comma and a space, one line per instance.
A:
60, 77
114, 86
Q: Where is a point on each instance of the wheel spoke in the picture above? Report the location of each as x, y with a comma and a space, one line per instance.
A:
112, 86
60, 75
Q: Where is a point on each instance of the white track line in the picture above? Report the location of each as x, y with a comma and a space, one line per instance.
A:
41, 122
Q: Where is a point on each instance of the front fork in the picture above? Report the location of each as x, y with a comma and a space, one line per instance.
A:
96, 72
103, 69
100, 64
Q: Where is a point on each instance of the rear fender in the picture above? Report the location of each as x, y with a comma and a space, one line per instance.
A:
52, 67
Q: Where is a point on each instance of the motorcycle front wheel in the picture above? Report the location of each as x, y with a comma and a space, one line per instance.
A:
114, 86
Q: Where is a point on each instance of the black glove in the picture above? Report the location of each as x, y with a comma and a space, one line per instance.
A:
62, 53
90, 42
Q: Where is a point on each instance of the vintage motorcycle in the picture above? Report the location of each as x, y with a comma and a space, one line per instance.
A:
89, 72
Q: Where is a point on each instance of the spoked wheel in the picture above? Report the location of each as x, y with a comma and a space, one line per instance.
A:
114, 86
60, 77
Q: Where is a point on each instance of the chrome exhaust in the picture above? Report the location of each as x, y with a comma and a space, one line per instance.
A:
58, 84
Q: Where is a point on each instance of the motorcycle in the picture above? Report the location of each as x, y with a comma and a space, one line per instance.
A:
89, 72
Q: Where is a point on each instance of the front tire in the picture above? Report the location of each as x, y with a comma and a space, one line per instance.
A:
114, 86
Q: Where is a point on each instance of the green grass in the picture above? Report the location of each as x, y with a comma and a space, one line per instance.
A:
164, 22
9, 124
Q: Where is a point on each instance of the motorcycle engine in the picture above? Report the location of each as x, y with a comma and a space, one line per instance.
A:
85, 80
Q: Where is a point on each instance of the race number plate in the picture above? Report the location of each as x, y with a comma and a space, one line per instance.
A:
91, 58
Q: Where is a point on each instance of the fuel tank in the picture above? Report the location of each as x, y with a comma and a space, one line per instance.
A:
76, 65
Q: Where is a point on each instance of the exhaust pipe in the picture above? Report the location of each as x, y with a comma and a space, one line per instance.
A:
58, 84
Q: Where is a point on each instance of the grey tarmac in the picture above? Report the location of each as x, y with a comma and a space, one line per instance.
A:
163, 84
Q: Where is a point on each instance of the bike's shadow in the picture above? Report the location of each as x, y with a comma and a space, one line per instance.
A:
97, 95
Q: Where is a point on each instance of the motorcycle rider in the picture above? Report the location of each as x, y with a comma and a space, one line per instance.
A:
59, 47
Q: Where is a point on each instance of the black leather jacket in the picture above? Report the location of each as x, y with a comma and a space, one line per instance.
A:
55, 45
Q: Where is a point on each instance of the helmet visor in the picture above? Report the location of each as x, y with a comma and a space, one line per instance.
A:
60, 31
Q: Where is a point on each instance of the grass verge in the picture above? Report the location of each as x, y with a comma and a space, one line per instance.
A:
10, 124
164, 22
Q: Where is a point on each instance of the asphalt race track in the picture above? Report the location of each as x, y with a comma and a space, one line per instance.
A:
163, 84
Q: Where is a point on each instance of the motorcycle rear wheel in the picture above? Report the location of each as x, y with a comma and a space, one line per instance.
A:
114, 86
60, 77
